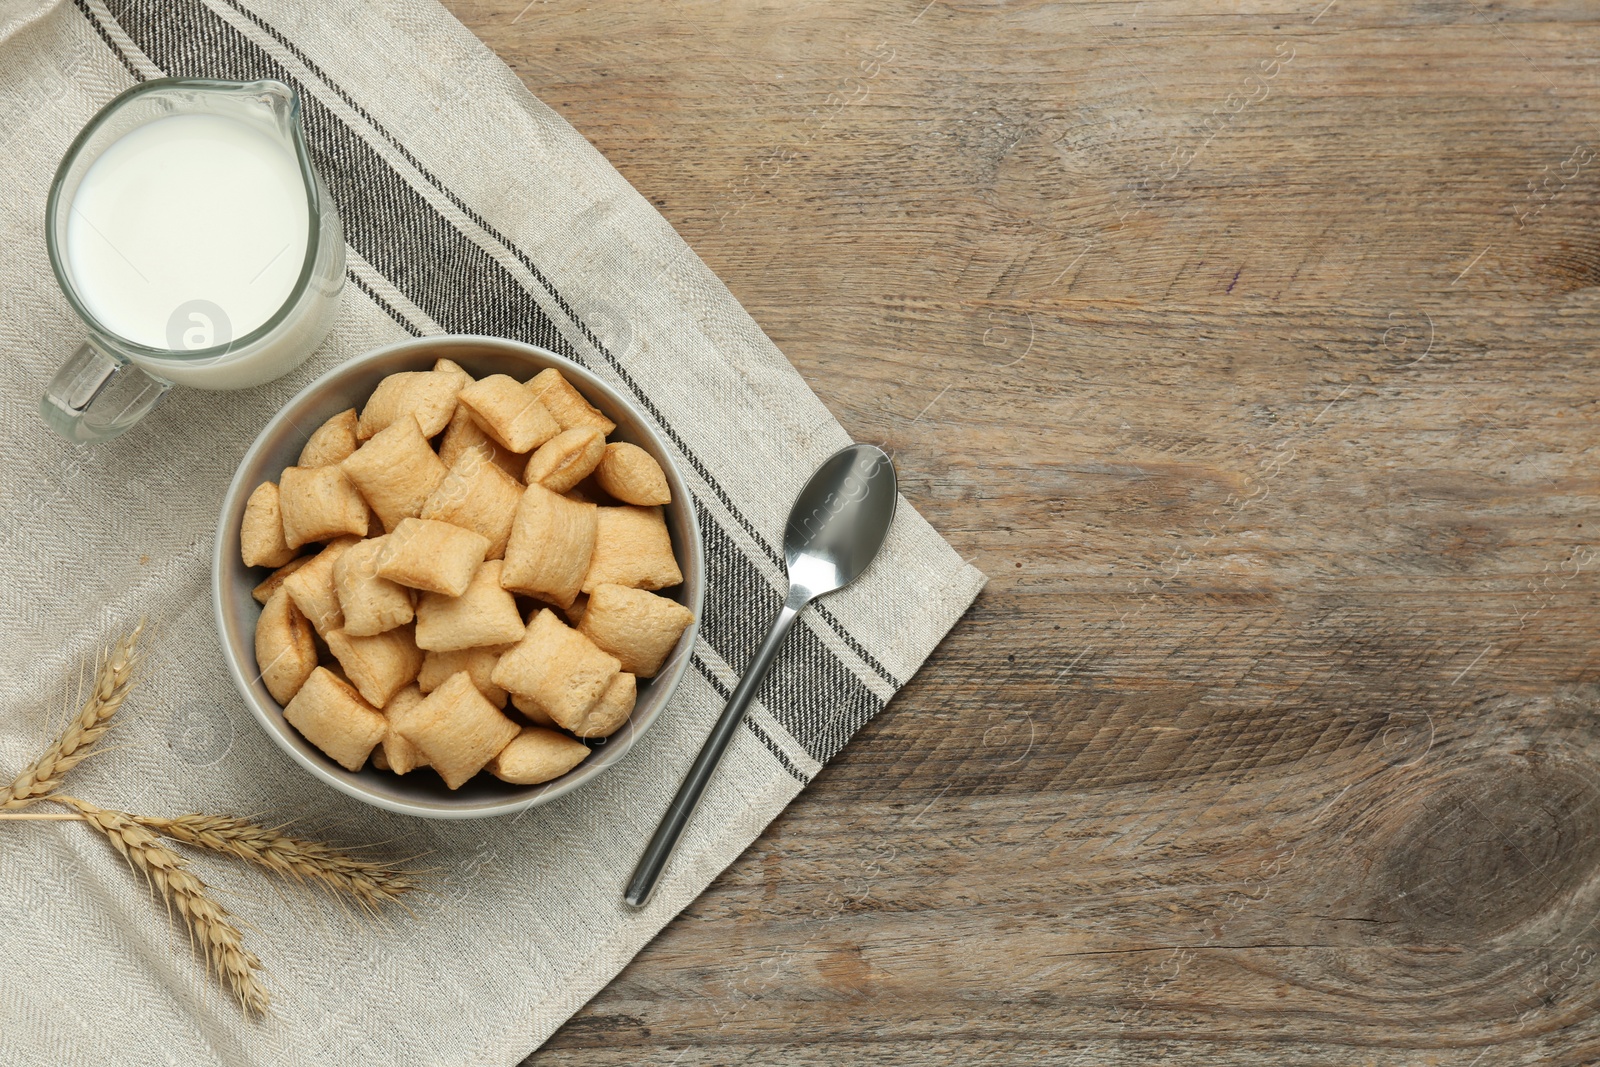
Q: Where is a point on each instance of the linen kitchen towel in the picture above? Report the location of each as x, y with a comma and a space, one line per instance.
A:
468, 207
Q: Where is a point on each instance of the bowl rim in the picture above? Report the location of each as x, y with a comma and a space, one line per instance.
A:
235, 496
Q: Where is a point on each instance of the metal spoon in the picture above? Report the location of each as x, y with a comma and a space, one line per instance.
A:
837, 525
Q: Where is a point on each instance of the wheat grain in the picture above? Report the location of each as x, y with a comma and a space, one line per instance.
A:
219, 939
138, 838
113, 679
369, 884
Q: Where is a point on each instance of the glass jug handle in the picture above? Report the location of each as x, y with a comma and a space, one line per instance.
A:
98, 395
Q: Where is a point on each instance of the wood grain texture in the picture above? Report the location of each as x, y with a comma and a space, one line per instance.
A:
1251, 351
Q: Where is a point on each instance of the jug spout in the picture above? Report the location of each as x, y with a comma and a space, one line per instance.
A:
280, 101
270, 104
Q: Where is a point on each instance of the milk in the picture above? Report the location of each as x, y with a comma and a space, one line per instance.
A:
191, 231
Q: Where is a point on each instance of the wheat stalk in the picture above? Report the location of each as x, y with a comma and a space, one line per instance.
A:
220, 941
369, 884
136, 837
113, 678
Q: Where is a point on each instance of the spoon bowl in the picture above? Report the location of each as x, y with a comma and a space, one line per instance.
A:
840, 519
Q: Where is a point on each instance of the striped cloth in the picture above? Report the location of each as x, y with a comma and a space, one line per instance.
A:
469, 207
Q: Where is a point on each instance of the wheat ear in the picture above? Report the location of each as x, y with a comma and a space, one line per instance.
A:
369, 884
113, 678
220, 941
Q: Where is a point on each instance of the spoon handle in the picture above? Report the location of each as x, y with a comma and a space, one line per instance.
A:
694, 784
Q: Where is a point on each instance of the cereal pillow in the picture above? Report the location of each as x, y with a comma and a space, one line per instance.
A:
557, 669
427, 396
537, 755
457, 730
332, 716
396, 471
479, 663
640, 628
552, 540
485, 614
465, 435
274, 581
380, 665
431, 555
566, 459
319, 504
509, 413
261, 541
332, 442
632, 547
632, 475
477, 495
312, 588
285, 651
568, 405
401, 755
370, 604
432, 514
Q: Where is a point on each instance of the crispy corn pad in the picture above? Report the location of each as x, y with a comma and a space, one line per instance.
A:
479, 663
378, 666
261, 540
477, 495
432, 556
566, 459
465, 435
396, 471
564, 402
556, 668
332, 716
632, 547
509, 413
319, 504
638, 627
401, 755
274, 581
428, 396
532, 711
485, 614
311, 586
370, 604
457, 730
537, 755
632, 475
607, 714
332, 442
552, 541
286, 654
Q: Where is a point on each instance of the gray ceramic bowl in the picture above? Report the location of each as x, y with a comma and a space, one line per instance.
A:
422, 792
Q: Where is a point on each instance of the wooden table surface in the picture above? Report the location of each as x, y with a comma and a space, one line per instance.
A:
1250, 350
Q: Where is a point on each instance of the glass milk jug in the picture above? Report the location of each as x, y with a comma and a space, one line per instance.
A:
192, 236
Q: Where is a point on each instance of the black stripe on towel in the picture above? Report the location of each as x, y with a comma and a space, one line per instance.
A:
389, 309
100, 31
750, 724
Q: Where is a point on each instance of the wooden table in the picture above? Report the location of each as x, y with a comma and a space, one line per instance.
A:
1253, 356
